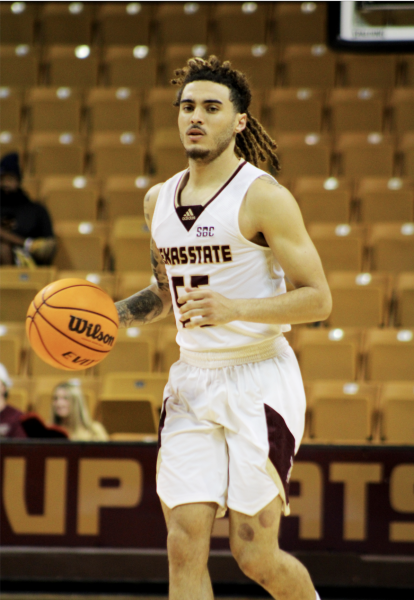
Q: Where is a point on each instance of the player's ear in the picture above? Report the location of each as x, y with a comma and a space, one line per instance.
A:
241, 122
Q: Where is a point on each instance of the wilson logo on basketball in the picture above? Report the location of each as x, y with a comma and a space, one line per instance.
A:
82, 326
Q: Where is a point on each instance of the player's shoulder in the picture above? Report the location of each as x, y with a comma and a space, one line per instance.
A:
266, 191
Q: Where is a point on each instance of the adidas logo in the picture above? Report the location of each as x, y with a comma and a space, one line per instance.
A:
189, 215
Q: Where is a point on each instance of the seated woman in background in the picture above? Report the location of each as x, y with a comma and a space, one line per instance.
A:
69, 410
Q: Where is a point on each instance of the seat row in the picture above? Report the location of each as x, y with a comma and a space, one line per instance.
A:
322, 200
353, 155
338, 411
143, 67
57, 109
162, 22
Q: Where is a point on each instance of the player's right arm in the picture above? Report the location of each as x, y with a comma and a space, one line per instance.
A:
154, 302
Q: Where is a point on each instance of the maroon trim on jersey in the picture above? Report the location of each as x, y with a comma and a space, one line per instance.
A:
195, 210
281, 446
162, 420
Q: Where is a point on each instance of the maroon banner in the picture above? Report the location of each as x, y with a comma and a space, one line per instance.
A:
66, 494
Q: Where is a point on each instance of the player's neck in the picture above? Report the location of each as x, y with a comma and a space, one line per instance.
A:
215, 173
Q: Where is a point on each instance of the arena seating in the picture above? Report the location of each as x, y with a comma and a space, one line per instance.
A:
85, 99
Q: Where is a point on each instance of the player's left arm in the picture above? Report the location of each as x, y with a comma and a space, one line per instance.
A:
271, 210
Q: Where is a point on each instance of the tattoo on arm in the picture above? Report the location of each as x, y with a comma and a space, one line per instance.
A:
158, 269
142, 307
271, 181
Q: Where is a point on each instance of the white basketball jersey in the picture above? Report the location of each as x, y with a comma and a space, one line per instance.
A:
203, 246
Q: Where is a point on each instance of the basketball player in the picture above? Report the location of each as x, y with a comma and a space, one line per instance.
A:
224, 233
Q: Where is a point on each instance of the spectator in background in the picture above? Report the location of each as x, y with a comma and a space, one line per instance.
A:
69, 410
10, 426
26, 233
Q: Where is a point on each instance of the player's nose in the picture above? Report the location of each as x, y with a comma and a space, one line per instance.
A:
197, 116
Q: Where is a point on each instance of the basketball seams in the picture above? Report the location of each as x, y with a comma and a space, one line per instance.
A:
71, 339
47, 350
92, 312
71, 307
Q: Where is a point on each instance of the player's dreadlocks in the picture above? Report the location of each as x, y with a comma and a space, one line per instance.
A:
253, 143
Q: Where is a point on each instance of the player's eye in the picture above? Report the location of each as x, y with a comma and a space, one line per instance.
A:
187, 108
212, 109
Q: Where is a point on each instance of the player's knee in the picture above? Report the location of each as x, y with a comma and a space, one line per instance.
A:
186, 545
258, 566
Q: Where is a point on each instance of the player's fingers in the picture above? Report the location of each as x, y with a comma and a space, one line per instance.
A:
197, 321
195, 312
194, 295
191, 305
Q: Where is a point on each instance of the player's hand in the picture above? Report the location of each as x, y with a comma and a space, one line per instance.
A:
205, 307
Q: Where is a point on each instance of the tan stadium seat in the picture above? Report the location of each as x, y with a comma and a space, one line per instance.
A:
182, 22
405, 300
134, 351
384, 199
397, 412
175, 56
125, 386
17, 20
56, 153
18, 398
295, 109
308, 66
376, 71
324, 199
356, 109
402, 104
81, 245
128, 416
168, 153
329, 353
392, 247
43, 386
124, 22
117, 154
168, 348
19, 65
131, 66
160, 107
130, 283
54, 109
66, 22
71, 65
340, 246
406, 146
301, 22
124, 196
131, 244
105, 280
304, 155
12, 343
366, 155
342, 412
114, 109
70, 198
40, 276
257, 61
389, 354
16, 299
359, 299
11, 102
240, 22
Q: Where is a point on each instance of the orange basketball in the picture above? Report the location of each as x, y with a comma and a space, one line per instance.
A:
72, 324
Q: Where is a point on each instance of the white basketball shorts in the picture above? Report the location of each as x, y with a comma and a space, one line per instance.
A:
228, 435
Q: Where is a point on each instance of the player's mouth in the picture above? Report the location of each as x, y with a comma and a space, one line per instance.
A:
195, 134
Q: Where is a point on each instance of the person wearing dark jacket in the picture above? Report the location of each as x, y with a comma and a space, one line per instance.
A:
26, 232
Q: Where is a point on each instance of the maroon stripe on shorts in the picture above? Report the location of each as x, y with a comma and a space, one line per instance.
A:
281, 446
162, 420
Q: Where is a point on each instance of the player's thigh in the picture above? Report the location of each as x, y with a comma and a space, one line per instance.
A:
255, 538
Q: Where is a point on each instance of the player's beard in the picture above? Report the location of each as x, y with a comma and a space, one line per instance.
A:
205, 156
